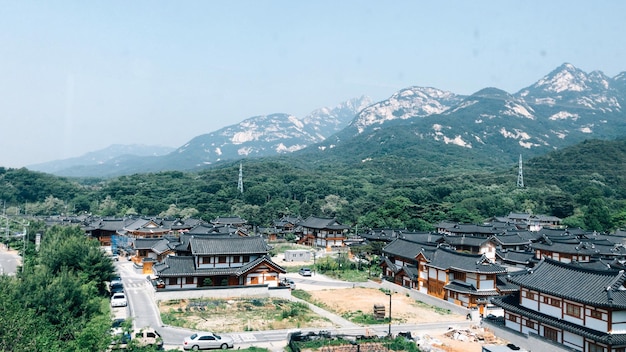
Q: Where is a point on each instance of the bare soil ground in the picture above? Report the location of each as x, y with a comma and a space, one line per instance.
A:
236, 315
404, 310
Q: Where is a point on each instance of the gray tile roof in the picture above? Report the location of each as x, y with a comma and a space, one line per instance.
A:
411, 271
421, 237
228, 245
600, 288
517, 238
175, 266
145, 243
504, 285
391, 265
449, 259
515, 256
314, 222
464, 287
468, 229
471, 241
402, 248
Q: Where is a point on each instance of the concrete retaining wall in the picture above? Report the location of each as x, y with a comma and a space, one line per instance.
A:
433, 301
224, 292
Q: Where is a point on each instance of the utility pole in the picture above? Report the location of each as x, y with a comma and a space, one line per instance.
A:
240, 183
389, 294
520, 174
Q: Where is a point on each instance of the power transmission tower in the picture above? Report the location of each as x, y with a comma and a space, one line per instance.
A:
520, 174
240, 183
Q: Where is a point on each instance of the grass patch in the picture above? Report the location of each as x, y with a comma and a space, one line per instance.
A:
305, 296
302, 295
254, 349
439, 310
348, 275
359, 317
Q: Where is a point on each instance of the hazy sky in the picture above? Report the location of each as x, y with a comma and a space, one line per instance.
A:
78, 76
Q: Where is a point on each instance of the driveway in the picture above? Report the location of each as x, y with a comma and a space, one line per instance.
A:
9, 261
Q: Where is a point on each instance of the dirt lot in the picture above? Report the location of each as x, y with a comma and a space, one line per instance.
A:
404, 310
238, 314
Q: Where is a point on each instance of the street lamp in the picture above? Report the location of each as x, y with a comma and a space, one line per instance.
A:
389, 294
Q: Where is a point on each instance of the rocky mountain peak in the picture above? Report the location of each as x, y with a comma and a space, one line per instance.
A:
406, 103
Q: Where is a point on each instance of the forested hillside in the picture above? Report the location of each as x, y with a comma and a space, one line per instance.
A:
583, 184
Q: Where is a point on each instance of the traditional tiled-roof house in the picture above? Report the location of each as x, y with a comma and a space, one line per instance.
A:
473, 245
220, 261
152, 250
322, 232
468, 280
400, 263
146, 228
583, 309
234, 221
104, 229
459, 229
570, 248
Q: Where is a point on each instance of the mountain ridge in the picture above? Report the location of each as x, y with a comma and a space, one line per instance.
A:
562, 108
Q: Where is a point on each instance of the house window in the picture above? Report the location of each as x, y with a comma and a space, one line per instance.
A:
530, 295
530, 324
595, 348
596, 314
458, 276
172, 281
551, 334
189, 280
236, 259
221, 259
206, 260
572, 309
621, 349
513, 318
552, 301
246, 258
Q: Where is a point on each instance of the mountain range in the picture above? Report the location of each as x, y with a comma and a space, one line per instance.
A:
563, 108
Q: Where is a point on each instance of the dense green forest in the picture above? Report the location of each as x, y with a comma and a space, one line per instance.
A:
60, 303
583, 184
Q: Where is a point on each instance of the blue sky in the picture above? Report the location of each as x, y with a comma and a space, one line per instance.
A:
78, 76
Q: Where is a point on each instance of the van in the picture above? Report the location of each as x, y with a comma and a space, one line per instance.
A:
148, 337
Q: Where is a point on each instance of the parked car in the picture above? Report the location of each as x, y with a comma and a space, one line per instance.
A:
117, 280
289, 283
118, 300
116, 288
207, 340
117, 326
119, 342
148, 337
305, 272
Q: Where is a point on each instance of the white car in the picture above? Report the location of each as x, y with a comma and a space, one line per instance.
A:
118, 300
207, 340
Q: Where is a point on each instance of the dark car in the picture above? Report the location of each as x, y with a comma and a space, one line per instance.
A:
116, 288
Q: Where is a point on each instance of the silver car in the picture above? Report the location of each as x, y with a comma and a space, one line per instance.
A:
207, 340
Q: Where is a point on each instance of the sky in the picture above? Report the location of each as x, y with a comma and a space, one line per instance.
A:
79, 76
